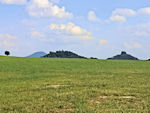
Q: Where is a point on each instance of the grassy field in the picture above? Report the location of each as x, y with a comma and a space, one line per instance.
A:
33, 85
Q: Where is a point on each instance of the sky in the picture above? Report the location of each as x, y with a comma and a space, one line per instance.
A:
91, 28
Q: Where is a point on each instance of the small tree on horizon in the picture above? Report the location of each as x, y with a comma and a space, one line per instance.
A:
7, 53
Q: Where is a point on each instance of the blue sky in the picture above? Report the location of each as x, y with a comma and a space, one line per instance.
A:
92, 28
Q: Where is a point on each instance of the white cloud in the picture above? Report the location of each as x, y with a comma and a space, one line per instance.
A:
121, 14
133, 45
45, 8
55, 1
41, 36
141, 33
37, 34
72, 29
144, 11
1, 35
118, 18
41, 3
7, 43
135, 32
103, 42
10, 36
7, 36
92, 16
141, 30
124, 12
7, 40
19, 2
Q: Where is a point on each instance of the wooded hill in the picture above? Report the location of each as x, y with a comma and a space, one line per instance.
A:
63, 54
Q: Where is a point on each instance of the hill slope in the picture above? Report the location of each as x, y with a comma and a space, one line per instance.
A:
37, 55
123, 56
62, 54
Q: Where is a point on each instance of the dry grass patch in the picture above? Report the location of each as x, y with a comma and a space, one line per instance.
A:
55, 86
126, 97
63, 111
99, 99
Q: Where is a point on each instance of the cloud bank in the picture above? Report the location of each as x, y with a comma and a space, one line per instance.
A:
72, 29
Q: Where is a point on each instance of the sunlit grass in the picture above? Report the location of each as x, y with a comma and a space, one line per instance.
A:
74, 85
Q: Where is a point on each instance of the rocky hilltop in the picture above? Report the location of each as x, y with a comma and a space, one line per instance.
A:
62, 54
123, 56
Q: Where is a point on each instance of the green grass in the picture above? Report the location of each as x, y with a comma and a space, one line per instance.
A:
33, 85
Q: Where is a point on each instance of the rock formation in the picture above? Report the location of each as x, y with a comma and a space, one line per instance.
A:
123, 56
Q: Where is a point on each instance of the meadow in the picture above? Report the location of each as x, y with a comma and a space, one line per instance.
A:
47, 85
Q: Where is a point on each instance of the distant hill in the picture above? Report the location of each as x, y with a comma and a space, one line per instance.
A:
63, 54
124, 56
37, 55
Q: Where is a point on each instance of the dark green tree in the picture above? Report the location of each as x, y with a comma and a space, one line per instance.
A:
7, 53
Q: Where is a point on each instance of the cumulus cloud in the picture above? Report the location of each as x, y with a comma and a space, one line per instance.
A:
72, 29
7, 43
121, 14
118, 18
140, 30
42, 8
10, 36
55, 1
124, 12
141, 33
133, 45
7, 36
103, 42
37, 34
1, 35
92, 16
19, 2
144, 11
7, 40
45, 8
41, 36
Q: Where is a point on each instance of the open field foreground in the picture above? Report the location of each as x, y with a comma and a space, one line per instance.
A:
41, 85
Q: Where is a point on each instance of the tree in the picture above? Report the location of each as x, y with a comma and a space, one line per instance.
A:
7, 53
